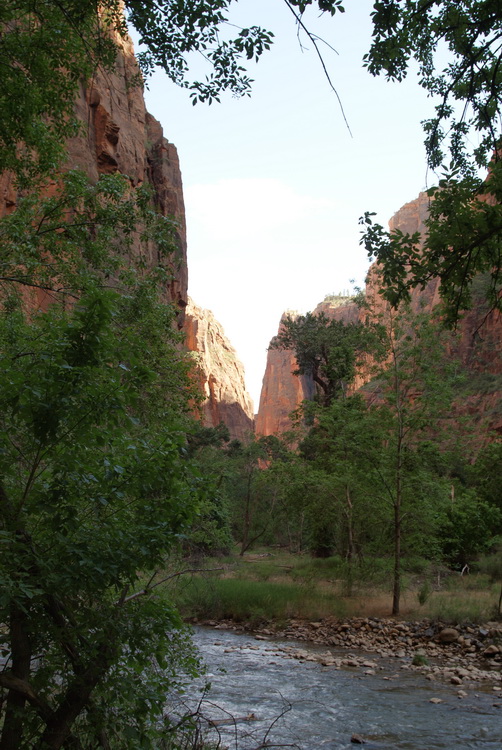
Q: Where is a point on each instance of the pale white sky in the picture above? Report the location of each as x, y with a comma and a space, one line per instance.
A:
274, 185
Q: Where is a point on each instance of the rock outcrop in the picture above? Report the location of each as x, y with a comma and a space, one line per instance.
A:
220, 373
478, 347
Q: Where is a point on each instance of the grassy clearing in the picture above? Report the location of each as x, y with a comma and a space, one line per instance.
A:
267, 586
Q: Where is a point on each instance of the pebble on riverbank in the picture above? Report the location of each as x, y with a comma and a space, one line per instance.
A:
457, 656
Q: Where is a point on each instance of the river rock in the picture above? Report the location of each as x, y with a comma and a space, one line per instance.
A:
448, 635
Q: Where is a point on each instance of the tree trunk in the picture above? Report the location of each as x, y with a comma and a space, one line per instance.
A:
12, 730
396, 593
247, 516
350, 541
77, 697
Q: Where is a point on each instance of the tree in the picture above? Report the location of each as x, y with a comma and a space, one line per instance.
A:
253, 498
327, 350
94, 494
469, 528
210, 532
413, 396
464, 229
341, 447
94, 487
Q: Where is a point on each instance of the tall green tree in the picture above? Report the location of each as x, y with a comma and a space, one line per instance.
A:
94, 493
341, 447
253, 491
413, 397
94, 487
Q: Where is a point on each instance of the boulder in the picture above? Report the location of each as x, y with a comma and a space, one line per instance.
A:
448, 635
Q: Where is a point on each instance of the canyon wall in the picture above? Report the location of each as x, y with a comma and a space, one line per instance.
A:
118, 135
478, 347
281, 391
219, 372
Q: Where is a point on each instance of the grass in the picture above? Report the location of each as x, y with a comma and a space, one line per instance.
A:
256, 602
266, 586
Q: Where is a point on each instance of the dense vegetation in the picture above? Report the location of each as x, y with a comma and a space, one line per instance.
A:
104, 475
387, 472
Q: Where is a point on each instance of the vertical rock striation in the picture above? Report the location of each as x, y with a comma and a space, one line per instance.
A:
118, 135
220, 374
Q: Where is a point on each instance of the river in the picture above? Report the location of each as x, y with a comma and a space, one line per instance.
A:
304, 705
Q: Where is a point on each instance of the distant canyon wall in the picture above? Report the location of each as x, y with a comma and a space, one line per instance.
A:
479, 345
220, 374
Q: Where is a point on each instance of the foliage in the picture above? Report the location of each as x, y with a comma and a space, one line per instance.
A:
210, 532
95, 490
94, 493
469, 529
46, 48
485, 475
253, 492
338, 454
420, 660
413, 401
456, 46
60, 244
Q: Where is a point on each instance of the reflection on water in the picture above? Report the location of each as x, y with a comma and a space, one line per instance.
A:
308, 706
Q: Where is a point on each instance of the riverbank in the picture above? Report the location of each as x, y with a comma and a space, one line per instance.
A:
462, 655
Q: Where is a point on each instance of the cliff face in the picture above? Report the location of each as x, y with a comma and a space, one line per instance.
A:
281, 391
478, 347
118, 135
220, 373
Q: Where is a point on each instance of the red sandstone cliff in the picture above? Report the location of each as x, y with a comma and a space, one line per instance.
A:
118, 135
220, 373
479, 345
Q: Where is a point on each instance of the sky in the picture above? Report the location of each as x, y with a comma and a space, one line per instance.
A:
274, 184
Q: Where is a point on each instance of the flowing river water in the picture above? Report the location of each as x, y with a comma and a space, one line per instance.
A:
302, 704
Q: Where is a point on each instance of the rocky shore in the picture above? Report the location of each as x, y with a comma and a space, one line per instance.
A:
459, 655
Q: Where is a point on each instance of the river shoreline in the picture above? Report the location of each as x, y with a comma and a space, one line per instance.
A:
286, 693
458, 655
